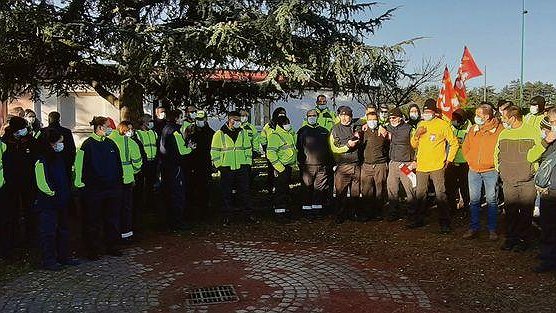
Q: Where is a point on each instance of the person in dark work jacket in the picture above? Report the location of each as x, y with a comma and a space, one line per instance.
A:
17, 208
374, 169
314, 159
400, 153
53, 200
98, 171
548, 199
173, 179
69, 144
344, 141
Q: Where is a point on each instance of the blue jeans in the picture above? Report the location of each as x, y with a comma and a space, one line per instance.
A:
476, 181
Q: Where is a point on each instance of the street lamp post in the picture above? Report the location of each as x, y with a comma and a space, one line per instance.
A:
523, 12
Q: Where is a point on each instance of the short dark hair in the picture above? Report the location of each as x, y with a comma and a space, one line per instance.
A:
514, 111
52, 135
233, 114
173, 115
320, 96
98, 121
53, 117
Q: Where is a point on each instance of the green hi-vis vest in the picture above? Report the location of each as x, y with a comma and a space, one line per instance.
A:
267, 130
253, 135
40, 177
460, 134
129, 154
225, 152
325, 118
2, 150
281, 149
148, 139
37, 134
183, 149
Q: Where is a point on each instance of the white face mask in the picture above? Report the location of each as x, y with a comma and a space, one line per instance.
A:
287, 127
312, 120
534, 109
372, 124
428, 116
192, 115
162, 115
200, 123
58, 147
107, 131
237, 124
30, 120
414, 116
479, 121
244, 119
179, 121
553, 128
383, 116
543, 134
507, 125
150, 125
129, 133
21, 133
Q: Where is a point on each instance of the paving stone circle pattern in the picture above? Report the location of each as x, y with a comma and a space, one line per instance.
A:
298, 279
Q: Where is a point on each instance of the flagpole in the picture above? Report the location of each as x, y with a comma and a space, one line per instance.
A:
485, 89
523, 12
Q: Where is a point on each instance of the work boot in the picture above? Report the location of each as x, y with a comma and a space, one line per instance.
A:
470, 234
492, 236
445, 229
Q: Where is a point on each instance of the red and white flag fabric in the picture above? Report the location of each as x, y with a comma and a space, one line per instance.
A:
467, 69
447, 100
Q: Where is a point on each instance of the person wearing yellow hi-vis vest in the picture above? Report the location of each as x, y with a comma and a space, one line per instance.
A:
232, 154
52, 202
98, 171
251, 130
282, 154
326, 117
145, 180
131, 165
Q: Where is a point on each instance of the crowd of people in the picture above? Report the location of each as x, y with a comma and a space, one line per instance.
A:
383, 165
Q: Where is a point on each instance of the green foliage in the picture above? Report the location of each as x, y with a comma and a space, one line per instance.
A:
161, 45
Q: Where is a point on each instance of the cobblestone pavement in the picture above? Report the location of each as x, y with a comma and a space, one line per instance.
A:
268, 277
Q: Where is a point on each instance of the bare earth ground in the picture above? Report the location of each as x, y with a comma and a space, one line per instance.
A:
305, 266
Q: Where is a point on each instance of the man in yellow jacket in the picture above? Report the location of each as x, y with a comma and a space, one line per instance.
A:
431, 139
232, 154
281, 153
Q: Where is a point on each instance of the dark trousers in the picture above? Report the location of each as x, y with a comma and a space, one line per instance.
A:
53, 234
316, 180
437, 178
520, 201
240, 180
548, 228
282, 195
200, 197
346, 176
102, 215
19, 218
173, 187
373, 186
456, 183
144, 186
126, 212
7, 225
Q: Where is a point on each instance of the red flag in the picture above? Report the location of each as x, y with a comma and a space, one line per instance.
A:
467, 69
447, 100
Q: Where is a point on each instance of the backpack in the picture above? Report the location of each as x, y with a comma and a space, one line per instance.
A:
542, 177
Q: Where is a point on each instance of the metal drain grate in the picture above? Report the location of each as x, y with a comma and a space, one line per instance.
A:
211, 295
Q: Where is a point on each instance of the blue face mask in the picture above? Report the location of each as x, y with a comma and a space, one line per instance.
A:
59, 147
21, 133
108, 131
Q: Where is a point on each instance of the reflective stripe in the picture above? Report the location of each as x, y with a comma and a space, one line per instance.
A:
306, 207
279, 210
127, 235
316, 206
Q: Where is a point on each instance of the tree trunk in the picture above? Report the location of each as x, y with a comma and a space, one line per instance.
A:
131, 102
